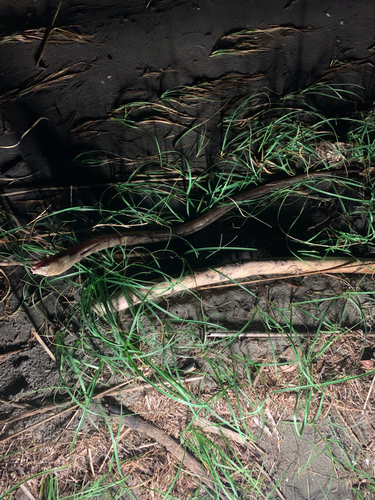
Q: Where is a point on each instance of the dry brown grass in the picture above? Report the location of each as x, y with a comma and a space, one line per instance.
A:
149, 466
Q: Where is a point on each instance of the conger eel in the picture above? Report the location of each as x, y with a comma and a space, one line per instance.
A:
61, 262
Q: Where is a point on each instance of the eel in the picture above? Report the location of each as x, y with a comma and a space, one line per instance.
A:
61, 262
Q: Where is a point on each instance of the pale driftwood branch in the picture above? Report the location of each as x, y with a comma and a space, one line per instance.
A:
242, 270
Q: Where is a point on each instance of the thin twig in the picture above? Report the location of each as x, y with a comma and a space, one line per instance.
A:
4, 293
219, 431
57, 188
348, 428
281, 496
111, 448
249, 335
369, 392
258, 376
107, 392
27, 492
10, 403
47, 35
137, 423
42, 343
91, 463
19, 433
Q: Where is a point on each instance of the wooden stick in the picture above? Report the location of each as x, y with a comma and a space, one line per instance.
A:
270, 335
238, 271
47, 35
43, 344
137, 423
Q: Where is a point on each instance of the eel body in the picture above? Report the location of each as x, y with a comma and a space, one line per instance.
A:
61, 262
